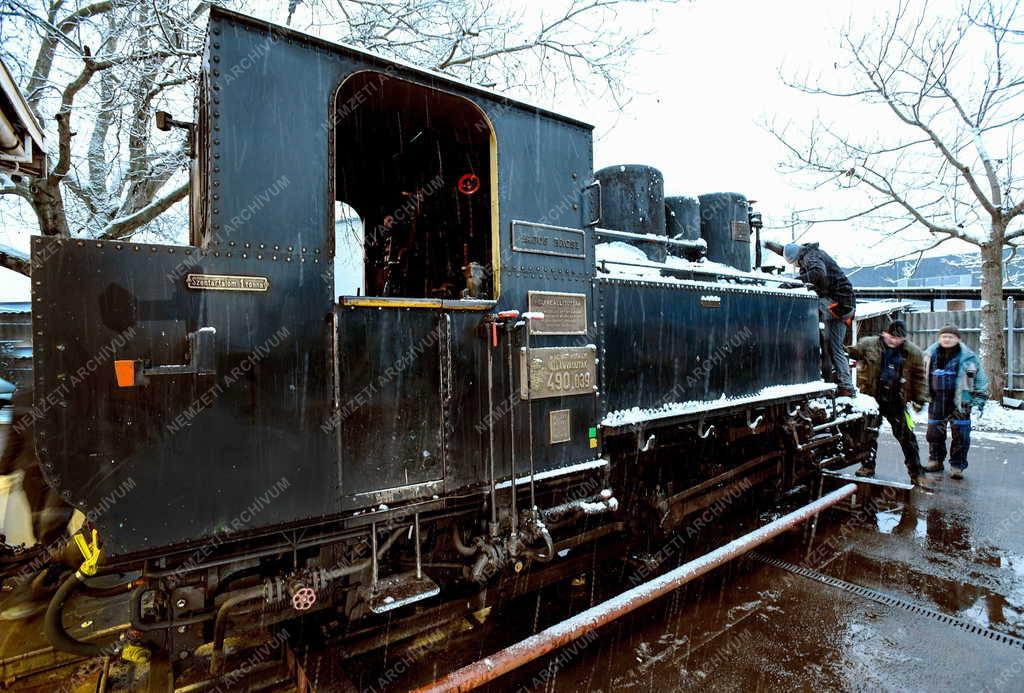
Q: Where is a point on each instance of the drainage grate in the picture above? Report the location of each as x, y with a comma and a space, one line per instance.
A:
889, 600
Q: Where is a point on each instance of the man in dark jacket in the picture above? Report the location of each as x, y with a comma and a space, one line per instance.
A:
892, 370
817, 268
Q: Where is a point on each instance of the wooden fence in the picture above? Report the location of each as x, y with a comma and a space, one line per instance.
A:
924, 329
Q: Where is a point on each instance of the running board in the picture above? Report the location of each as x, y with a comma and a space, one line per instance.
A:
402, 589
869, 487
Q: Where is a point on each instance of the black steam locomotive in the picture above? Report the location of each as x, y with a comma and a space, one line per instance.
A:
528, 357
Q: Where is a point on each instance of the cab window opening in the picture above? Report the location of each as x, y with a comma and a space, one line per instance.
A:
349, 261
413, 165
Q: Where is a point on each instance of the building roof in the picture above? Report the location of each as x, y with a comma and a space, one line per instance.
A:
16, 118
16, 307
873, 309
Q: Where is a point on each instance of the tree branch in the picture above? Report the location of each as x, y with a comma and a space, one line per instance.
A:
15, 260
125, 226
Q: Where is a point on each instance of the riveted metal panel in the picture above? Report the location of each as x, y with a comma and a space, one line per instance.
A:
663, 343
390, 401
199, 455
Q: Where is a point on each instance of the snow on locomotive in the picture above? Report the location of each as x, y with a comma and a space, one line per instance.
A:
525, 356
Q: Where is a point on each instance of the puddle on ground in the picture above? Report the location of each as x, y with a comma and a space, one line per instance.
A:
902, 521
967, 600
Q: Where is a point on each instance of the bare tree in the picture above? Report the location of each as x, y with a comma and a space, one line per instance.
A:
573, 46
94, 74
932, 106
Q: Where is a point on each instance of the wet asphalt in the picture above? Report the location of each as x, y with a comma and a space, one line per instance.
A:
957, 551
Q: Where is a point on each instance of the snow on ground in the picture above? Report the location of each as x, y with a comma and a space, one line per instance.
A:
1010, 438
995, 418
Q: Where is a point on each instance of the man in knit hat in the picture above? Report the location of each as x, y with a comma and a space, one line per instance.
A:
956, 382
891, 369
835, 292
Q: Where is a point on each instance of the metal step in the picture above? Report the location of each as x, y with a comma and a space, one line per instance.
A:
867, 480
401, 589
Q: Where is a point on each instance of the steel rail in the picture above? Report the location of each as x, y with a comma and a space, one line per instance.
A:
512, 657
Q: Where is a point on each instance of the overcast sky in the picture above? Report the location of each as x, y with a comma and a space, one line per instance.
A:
707, 80
711, 79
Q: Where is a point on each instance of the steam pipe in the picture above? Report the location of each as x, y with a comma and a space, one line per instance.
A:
514, 656
549, 547
260, 592
336, 573
220, 626
457, 542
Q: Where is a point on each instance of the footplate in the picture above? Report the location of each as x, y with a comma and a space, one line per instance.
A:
399, 590
870, 487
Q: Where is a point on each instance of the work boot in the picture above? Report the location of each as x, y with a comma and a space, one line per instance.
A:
865, 471
922, 483
955, 473
933, 466
846, 392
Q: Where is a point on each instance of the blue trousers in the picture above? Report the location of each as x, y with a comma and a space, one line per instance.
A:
961, 424
835, 334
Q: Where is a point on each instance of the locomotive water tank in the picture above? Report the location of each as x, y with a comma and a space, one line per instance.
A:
725, 227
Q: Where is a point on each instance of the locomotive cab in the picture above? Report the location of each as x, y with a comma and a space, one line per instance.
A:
247, 368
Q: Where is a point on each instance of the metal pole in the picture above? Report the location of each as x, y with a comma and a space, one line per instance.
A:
419, 558
529, 414
512, 423
373, 554
490, 433
514, 656
1010, 354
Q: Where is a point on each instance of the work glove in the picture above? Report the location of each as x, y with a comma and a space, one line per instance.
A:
978, 402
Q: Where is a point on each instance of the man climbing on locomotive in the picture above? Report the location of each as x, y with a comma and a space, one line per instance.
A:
837, 303
892, 370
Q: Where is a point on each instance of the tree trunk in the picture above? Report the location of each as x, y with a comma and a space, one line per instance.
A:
48, 203
993, 339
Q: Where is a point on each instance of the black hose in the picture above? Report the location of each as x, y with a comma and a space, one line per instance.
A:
102, 592
53, 624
